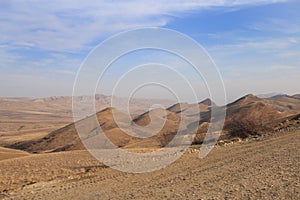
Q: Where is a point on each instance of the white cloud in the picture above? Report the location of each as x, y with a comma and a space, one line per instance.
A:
277, 25
282, 67
71, 25
6, 58
258, 44
75, 26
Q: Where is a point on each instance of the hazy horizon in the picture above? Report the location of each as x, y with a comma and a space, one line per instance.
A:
254, 44
266, 95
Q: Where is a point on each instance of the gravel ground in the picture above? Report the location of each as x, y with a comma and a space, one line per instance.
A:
265, 169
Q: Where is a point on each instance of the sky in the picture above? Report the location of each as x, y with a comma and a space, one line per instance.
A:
254, 43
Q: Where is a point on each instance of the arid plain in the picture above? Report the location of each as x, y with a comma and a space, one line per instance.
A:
256, 157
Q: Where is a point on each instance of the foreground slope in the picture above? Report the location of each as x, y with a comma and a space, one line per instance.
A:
263, 169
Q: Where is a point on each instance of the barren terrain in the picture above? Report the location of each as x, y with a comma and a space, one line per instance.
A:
264, 169
257, 156
25, 119
245, 117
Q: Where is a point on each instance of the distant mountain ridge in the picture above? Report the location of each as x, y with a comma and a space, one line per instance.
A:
249, 115
269, 95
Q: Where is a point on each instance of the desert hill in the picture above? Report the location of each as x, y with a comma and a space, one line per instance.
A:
190, 109
297, 96
66, 138
26, 119
249, 115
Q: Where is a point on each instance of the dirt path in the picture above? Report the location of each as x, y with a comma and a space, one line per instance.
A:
267, 169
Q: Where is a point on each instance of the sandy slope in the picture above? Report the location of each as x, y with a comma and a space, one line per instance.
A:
264, 169
6, 153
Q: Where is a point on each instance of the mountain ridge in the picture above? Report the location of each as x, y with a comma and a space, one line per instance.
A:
273, 111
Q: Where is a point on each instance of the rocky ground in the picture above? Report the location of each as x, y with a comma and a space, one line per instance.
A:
265, 168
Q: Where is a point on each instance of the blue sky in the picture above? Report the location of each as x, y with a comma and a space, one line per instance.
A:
255, 44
